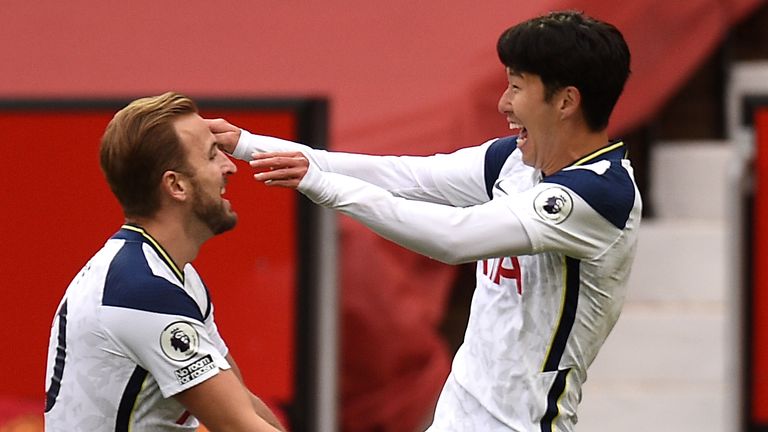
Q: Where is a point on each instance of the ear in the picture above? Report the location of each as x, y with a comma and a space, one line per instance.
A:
175, 186
570, 101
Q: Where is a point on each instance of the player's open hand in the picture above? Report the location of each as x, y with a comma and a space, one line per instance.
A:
284, 169
227, 135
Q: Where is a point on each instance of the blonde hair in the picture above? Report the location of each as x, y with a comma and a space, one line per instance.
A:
139, 145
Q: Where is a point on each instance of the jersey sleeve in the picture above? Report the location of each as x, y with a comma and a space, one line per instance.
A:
216, 339
446, 233
162, 330
456, 178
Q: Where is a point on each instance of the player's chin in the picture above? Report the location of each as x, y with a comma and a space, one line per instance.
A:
229, 214
226, 223
227, 218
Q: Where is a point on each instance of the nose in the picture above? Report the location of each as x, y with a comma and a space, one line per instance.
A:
229, 167
504, 106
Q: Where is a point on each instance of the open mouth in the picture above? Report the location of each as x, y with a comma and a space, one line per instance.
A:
223, 199
521, 131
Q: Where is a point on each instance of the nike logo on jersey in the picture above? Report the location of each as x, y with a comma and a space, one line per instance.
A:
498, 186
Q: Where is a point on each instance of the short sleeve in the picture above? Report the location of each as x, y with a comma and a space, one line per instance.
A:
176, 350
213, 333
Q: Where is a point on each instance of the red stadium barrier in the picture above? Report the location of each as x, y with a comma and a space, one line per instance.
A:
759, 266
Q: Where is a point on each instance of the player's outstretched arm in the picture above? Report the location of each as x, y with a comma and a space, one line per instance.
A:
223, 404
412, 177
449, 234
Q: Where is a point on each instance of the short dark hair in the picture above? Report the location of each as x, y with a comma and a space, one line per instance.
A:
139, 145
568, 48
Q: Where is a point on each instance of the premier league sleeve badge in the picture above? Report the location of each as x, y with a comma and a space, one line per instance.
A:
553, 204
179, 341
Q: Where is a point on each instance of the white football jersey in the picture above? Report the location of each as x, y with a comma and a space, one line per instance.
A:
553, 259
537, 321
131, 331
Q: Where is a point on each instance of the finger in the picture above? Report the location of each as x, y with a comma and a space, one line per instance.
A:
280, 174
267, 155
219, 125
292, 184
227, 141
272, 162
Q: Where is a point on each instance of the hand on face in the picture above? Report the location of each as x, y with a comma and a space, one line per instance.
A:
227, 135
284, 169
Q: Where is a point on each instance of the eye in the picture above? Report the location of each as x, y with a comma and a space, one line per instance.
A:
213, 152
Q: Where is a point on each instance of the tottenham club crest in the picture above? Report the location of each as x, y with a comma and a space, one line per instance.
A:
179, 341
553, 204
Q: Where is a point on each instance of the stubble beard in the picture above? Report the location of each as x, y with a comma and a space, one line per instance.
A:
212, 212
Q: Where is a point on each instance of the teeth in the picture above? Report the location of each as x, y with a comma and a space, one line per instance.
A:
514, 126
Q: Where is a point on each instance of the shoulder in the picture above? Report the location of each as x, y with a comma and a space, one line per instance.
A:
131, 283
607, 186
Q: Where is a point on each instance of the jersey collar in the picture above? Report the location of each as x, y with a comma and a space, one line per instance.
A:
135, 232
613, 151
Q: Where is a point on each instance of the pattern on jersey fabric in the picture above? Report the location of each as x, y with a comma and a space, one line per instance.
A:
495, 157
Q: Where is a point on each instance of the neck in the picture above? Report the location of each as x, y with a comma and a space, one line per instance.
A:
574, 145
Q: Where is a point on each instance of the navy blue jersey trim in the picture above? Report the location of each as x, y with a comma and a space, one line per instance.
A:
208, 301
611, 194
567, 315
555, 392
131, 284
136, 233
58, 366
495, 156
128, 400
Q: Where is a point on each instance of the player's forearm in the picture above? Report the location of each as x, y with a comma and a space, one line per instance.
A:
250, 143
222, 404
411, 177
449, 234
261, 409
264, 412
366, 167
